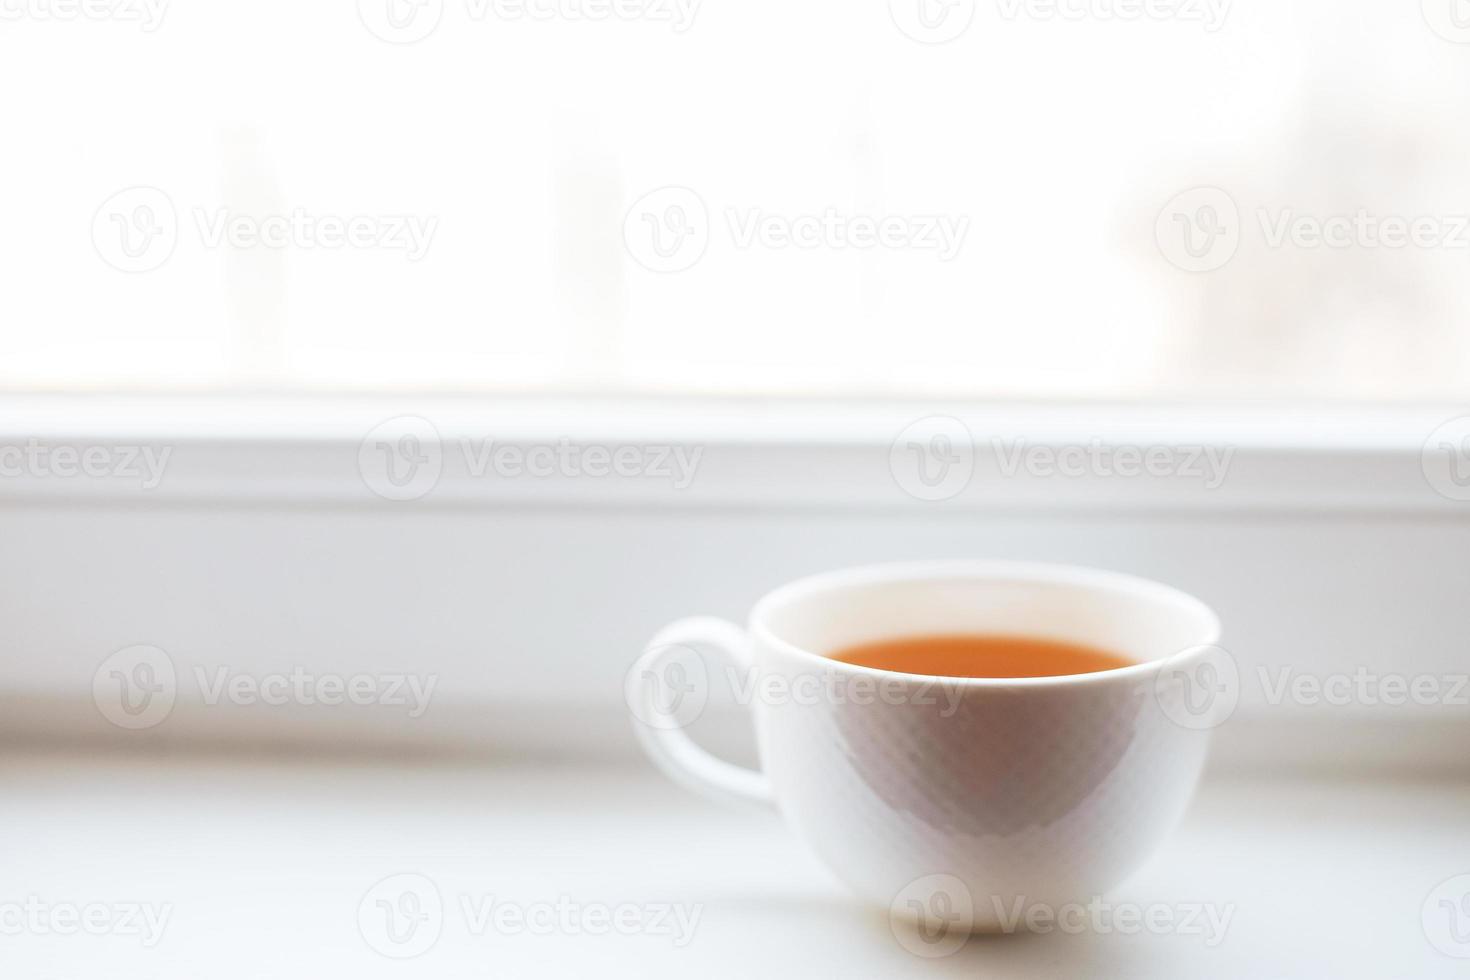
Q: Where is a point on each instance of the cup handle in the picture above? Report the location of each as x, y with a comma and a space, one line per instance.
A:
661, 731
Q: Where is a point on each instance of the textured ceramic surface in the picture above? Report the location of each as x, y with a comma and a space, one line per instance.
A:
1047, 790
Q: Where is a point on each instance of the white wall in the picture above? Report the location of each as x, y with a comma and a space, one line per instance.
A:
530, 602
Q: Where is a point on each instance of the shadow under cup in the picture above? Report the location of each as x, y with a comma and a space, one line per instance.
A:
1046, 790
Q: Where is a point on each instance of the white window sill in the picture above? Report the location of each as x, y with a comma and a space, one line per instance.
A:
287, 450
265, 866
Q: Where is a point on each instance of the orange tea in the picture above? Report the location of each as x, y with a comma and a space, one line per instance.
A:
966, 655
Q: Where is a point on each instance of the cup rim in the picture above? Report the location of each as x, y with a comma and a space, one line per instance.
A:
994, 569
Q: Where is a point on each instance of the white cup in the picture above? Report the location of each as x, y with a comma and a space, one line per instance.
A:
1049, 790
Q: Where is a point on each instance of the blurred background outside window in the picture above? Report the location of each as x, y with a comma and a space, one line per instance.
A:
1187, 199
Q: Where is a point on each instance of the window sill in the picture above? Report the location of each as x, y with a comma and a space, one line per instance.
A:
187, 832
254, 450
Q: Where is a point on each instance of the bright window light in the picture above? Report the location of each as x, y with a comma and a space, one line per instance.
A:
1004, 198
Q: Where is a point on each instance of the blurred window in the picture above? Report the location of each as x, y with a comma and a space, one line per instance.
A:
1012, 198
